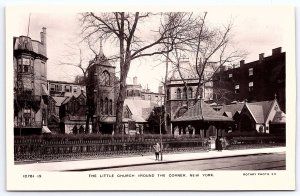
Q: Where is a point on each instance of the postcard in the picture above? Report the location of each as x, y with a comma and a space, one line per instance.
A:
150, 98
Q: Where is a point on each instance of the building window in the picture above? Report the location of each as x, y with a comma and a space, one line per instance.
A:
74, 89
52, 87
101, 106
110, 107
230, 75
250, 86
106, 106
178, 92
250, 71
59, 87
149, 97
143, 97
190, 93
106, 78
67, 88
168, 94
184, 93
237, 88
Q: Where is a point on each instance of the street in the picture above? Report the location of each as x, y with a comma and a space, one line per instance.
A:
272, 161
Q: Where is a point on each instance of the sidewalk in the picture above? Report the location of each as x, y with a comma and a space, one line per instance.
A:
83, 165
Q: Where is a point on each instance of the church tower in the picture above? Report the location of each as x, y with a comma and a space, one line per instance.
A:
101, 94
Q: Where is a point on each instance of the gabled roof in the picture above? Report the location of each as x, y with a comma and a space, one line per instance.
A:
279, 117
66, 100
202, 111
260, 110
140, 109
231, 109
59, 100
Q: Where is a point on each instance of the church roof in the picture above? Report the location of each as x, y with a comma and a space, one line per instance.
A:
201, 111
140, 109
59, 100
260, 110
279, 117
231, 109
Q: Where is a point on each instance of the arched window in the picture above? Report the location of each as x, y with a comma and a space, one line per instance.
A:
101, 106
178, 92
106, 106
110, 107
190, 93
106, 78
184, 95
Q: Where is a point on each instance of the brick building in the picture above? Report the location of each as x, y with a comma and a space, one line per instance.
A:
135, 91
260, 80
64, 89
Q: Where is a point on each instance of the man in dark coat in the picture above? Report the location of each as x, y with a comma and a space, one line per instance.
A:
218, 144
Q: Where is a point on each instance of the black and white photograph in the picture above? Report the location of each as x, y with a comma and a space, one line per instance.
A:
180, 96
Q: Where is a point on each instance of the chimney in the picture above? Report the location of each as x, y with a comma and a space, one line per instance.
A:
261, 57
43, 38
276, 51
134, 80
242, 62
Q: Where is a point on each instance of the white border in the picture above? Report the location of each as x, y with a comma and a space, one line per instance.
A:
282, 181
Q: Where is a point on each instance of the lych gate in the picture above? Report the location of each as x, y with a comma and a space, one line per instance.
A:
202, 120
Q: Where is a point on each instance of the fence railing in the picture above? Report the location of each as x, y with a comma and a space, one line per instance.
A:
27, 148
68, 147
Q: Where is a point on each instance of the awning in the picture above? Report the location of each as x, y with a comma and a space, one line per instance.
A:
45, 129
44, 90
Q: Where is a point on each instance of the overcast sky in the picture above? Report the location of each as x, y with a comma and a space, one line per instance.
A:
256, 30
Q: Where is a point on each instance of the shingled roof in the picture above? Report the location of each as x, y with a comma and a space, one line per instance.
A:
260, 110
231, 109
201, 111
140, 109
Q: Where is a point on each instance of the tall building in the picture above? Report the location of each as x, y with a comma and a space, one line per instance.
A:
30, 85
260, 80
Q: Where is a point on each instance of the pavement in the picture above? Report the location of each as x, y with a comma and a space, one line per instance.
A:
95, 164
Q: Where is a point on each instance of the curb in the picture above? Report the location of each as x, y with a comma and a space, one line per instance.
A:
162, 162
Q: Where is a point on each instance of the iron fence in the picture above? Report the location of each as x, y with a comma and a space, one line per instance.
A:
46, 149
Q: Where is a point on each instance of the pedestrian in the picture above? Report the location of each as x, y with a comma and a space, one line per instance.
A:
157, 150
218, 144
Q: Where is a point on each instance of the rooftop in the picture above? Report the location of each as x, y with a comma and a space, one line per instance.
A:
201, 111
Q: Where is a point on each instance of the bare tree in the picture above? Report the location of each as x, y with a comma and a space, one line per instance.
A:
123, 29
211, 48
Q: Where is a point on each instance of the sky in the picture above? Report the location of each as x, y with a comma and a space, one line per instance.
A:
256, 30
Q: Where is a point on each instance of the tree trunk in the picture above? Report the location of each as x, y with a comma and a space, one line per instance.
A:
166, 96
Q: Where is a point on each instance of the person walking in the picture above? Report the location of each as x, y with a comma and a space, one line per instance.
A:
157, 150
